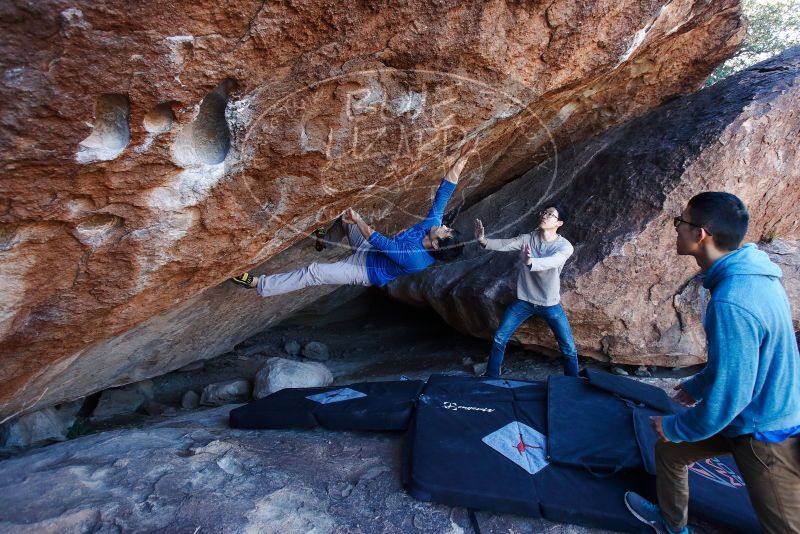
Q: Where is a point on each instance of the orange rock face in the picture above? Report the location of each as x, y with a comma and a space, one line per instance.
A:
151, 150
629, 297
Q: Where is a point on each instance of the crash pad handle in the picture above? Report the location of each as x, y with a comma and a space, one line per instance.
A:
601, 467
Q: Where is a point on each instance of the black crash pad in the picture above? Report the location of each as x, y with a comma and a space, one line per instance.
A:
485, 451
490, 454
633, 390
362, 406
591, 428
484, 444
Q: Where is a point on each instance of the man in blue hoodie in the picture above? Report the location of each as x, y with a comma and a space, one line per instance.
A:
377, 259
747, 399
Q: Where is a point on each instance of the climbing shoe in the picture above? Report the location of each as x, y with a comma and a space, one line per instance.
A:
319, 234
245, 280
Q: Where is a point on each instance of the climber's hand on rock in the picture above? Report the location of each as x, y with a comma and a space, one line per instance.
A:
468, 148
351, 216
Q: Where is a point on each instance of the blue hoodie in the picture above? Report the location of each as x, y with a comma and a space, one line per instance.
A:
404, 253
751, 382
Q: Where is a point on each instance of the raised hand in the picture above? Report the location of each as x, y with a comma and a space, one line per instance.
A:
468, 147
463, 155
350, 216
480, 235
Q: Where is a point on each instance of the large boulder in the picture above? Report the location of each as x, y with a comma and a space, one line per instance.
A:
280, 373
786, 254
629, 297
43, 426
152, 150
114, 402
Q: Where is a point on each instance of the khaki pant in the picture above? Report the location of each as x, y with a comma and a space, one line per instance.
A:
771, 472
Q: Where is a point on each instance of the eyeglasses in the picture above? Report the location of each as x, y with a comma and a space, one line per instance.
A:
548, 213
676, 221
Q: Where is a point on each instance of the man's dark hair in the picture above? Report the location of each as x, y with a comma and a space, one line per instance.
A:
450, 248
723, 215
563, 216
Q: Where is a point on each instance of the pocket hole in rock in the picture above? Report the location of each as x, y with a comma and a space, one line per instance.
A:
94, 230
110, 131
207, 139
159, 119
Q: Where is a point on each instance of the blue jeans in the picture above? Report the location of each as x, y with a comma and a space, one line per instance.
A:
515, 315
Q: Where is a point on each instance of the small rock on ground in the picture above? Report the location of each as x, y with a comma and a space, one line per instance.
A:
228, 392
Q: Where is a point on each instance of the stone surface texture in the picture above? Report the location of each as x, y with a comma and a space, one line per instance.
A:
280, 373
151, 150
190, 400
50, 424
117, 401
317, 351
229, 392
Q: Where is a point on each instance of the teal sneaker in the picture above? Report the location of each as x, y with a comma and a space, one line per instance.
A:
649, 513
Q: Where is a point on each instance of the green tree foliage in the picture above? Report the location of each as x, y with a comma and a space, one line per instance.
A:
773, 26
